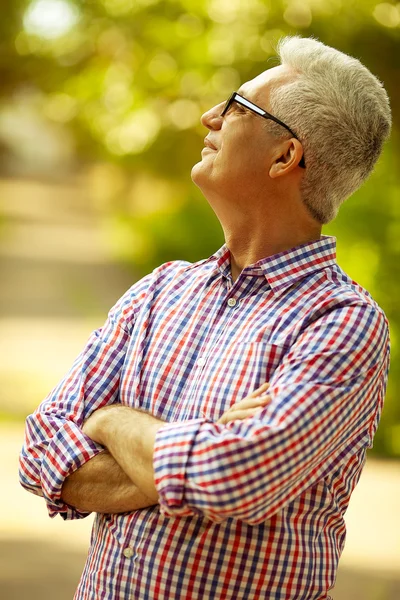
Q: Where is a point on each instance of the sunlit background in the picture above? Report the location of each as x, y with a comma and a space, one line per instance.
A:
99, 127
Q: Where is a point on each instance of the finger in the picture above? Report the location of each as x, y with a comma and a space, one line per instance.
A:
260, 389
235, 415
252, 402
239, 415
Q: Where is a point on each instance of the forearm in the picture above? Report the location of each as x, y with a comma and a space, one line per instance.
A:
128, 435
130, 439
101, 485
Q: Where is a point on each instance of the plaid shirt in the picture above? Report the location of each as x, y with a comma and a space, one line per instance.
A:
254, 508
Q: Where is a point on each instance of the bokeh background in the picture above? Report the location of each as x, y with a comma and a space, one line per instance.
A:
100, 103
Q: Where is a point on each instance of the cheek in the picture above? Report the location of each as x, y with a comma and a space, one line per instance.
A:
241, 162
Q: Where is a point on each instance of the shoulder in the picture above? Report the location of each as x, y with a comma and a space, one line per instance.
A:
343, 291
348, 311
330, 307
168, 276
330, 289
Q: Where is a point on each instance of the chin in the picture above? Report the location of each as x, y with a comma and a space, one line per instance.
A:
199, 173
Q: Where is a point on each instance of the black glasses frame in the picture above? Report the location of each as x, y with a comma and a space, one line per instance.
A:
235, 97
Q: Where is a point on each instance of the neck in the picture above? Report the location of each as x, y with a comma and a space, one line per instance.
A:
252, 242
258, 223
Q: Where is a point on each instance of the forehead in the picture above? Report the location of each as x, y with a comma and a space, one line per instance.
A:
257, 89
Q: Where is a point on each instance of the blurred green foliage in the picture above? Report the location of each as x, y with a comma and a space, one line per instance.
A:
127, 81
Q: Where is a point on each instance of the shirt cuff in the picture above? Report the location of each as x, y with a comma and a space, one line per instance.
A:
67, 451
172, 448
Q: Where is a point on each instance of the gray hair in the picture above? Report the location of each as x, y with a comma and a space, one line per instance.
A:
341, 114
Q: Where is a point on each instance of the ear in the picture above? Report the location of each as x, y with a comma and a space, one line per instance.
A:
287, 158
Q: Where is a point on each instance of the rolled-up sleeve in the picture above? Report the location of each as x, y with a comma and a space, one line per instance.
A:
327, 396
54, 444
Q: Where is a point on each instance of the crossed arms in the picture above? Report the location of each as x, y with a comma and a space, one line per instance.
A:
121, 479
326, 394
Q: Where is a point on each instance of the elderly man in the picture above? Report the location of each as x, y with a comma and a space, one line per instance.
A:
219, 421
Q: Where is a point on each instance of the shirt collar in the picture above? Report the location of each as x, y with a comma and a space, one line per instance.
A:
282, 270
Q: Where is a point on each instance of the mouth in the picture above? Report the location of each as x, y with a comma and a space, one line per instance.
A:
208, 144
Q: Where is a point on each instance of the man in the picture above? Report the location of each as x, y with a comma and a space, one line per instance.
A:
199, 493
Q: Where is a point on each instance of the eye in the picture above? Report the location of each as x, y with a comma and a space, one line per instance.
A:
236, 108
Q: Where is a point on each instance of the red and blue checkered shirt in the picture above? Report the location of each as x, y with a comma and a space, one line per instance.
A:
252, 509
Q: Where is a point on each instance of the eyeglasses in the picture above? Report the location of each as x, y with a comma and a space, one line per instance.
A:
235, 97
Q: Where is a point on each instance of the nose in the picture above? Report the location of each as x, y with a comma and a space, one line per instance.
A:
212, 118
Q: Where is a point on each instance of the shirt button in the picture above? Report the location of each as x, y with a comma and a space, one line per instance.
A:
201, 362
232, 302
128, 552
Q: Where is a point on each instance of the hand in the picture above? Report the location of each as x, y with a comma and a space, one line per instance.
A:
97, 425
92, 427
129, 436
248, 407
